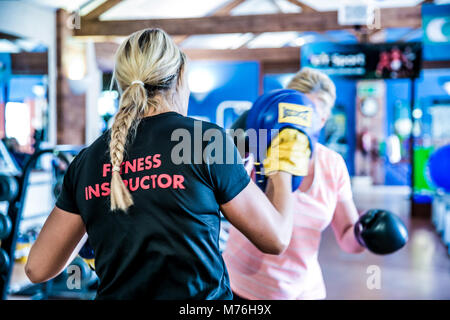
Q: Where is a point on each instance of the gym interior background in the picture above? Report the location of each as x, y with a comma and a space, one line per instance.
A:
390, 61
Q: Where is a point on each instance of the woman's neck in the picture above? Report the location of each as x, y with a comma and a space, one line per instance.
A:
167, 103
152, 113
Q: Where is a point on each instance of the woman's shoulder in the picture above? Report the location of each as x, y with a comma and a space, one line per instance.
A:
96, 150
197, 126
102, 142
205, 124
326, 152
329, 158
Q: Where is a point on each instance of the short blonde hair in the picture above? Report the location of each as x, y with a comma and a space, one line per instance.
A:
309, 80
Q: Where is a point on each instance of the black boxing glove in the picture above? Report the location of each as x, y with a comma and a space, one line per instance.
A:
380, 231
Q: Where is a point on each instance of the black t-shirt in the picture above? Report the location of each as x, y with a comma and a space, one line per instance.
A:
167, 245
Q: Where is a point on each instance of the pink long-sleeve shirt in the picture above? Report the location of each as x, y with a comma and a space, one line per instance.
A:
295, 274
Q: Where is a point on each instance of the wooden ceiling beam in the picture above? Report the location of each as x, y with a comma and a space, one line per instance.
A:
222, 11
307, 21
436, 64
244, 54
102, 8
8, 36
274, 60
304, 7
288, 56
30, 63
226, 9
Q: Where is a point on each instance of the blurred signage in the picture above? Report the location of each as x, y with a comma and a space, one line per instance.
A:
436, 31
436, 23
364, 61
5, 66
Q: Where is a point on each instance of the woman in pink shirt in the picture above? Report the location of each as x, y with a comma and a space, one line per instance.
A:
323, 198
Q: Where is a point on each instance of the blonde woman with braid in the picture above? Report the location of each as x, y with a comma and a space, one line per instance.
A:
153, 220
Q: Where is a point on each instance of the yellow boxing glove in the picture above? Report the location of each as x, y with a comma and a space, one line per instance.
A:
90, 263
290, 152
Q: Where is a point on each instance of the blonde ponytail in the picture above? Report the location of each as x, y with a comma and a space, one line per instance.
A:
148, 65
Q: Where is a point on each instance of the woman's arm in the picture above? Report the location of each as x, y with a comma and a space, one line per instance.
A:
344, 219
265, 221
57, 245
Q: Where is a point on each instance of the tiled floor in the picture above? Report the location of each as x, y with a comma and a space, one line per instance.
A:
421, 270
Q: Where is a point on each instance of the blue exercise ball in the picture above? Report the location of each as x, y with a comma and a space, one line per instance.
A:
439, 167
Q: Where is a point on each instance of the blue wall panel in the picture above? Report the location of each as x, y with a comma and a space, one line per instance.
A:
232, 81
